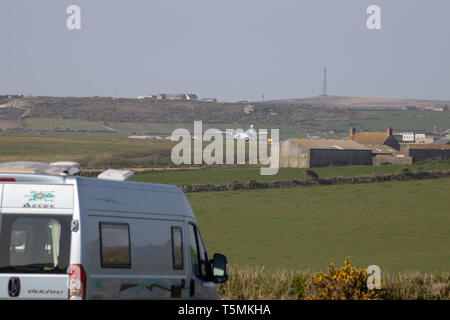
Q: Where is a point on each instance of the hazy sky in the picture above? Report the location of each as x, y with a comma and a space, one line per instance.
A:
229, 49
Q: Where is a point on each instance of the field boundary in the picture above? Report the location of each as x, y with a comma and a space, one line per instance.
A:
253, 184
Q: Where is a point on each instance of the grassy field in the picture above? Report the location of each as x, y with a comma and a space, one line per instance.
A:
123, 129
91, 152
362, 120
371, 120
400, 226
228, 175
52, 124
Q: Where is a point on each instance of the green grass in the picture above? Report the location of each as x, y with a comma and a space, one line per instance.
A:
145, 128
366, 120
62, 124
228, 175
400, 226
91, 152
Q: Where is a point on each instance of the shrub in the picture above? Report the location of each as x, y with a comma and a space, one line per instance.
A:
405, 171
299, 285
346, 283
418, 170
311, 175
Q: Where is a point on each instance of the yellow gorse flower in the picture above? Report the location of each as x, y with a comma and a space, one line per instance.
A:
347, 282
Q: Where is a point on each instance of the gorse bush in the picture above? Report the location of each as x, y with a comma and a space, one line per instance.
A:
346, 283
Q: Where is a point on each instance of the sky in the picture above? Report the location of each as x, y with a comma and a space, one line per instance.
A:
231, 49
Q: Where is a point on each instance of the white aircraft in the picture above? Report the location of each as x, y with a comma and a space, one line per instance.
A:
243, 136
312, 137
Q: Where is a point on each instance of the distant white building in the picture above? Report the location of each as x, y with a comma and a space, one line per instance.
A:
209, 99
176, 96
146, 137
150, 96
413, 137
408, 137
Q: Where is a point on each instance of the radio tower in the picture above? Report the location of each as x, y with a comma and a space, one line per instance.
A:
324, 81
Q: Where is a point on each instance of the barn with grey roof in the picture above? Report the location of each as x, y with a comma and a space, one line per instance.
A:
310, 153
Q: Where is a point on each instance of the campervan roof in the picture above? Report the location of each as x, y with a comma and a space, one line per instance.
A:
61, 169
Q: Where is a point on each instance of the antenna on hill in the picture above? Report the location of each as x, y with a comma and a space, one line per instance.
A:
324, 93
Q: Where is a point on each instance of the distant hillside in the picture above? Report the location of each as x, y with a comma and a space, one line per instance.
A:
109, 109
362, 102
329, 116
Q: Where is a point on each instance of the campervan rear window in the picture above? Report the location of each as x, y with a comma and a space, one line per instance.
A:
33, 243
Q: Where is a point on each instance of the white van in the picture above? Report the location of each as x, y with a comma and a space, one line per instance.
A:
69, 237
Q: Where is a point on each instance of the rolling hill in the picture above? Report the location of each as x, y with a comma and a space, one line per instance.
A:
362, 102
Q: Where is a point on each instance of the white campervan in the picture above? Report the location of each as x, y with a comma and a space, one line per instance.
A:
68, 237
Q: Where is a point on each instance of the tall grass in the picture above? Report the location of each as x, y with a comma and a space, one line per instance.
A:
256, 283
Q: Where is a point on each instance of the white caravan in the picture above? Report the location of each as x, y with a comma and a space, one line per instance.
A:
69, 237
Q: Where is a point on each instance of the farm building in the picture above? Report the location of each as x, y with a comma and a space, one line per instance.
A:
429, 151
209, 100
442, 141
385, 147
382, 154
177, 96
375, 138
310, 153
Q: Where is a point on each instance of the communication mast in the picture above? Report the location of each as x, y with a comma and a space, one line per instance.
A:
324, 81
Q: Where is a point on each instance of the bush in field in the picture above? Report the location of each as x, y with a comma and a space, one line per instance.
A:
405, 171
346, 283
417, 170
311, 175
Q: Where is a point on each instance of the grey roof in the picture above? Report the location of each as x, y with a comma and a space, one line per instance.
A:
329, 144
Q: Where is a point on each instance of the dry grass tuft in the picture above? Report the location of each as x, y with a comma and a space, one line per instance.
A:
255, 283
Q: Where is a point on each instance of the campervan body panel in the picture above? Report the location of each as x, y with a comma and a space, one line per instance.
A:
133, 240
127, 250
128, 241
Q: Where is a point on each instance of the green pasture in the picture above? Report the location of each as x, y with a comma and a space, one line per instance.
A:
229, 175
399, 226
